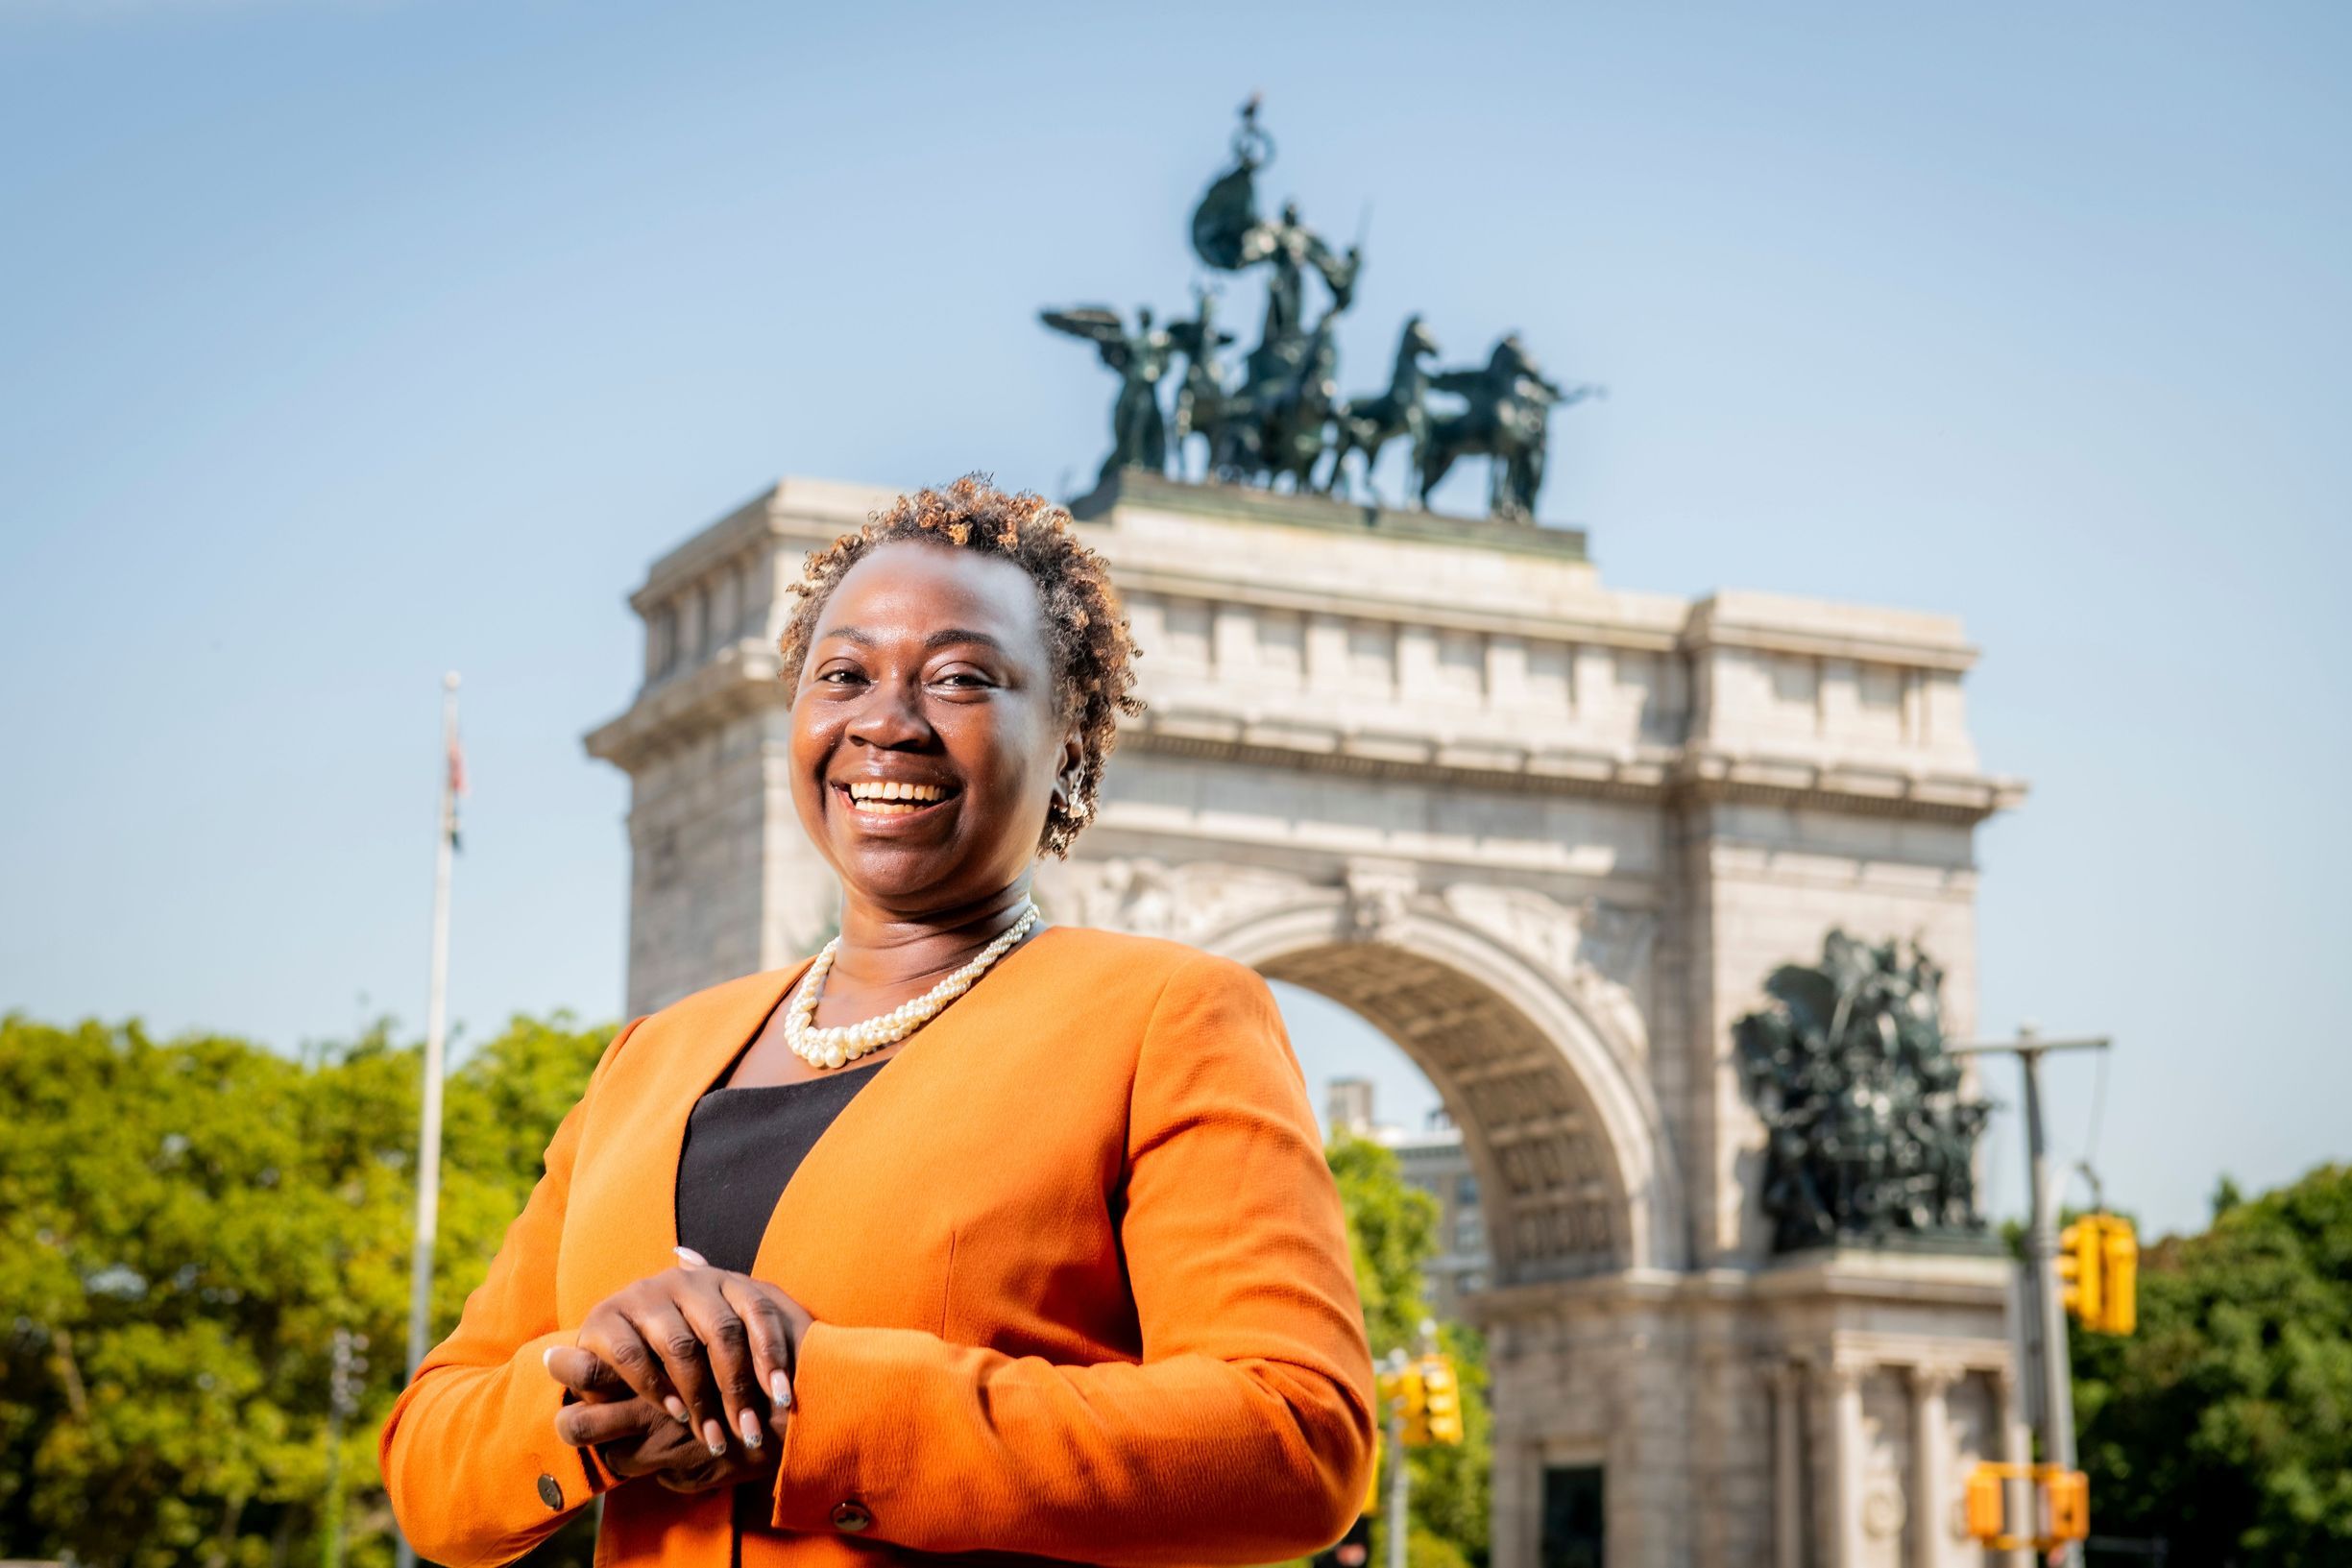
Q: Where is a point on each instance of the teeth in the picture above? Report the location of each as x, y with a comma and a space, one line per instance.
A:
894, 797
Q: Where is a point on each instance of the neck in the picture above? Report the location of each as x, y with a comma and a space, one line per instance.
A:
1408, 374
883, 948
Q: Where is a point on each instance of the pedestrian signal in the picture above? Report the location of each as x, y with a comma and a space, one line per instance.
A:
2061, 1510
2069, 1496
1441, 1400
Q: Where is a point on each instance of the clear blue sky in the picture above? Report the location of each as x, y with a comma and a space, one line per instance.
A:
349, 343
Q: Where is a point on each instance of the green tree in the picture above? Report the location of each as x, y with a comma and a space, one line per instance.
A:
2224, 1424
1392, 1232
183, 1226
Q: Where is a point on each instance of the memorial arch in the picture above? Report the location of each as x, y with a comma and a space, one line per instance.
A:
1547, 835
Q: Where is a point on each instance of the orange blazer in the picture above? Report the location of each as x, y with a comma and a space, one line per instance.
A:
1080, 1273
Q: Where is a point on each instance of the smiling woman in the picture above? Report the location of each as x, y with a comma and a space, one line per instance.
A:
970, 1234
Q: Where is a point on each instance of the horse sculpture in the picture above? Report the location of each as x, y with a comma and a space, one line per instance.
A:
1509, 406
1273, 426
1367, 425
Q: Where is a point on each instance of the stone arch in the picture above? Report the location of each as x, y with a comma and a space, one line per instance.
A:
1568, 1145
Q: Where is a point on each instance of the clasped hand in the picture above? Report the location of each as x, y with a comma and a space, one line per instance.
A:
684, 1377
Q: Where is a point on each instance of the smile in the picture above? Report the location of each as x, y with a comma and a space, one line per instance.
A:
879, 799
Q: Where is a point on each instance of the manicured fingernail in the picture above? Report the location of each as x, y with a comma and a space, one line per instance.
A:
676, 1407
713, 1436
687, 1255
779, 1389
749, 1425
547, 1357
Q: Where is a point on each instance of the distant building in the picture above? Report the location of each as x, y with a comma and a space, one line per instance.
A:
1434, 1161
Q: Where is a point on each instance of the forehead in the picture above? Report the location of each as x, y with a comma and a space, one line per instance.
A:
908, 587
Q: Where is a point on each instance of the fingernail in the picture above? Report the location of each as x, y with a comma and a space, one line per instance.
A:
687, 1255
779, 1389
750, 1426
547, 1357
676, 1407
713, 1436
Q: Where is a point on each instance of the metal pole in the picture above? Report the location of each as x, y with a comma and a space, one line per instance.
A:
436, 1016
2041, 1259
2044, 1306
1399, 1478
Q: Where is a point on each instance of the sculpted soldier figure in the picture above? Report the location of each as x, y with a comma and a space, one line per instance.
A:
1867, 1133
1138, 433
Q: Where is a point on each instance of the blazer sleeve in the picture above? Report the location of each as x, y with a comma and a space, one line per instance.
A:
471, 1464
1244, 1436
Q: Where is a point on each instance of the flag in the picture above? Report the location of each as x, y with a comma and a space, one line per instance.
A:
455, 786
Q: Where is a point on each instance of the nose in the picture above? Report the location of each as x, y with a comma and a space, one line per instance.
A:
891, 716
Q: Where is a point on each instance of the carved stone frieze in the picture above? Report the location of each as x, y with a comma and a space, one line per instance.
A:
1189, 902
1599, 952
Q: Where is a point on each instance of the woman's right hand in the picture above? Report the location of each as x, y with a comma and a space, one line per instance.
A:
711, 1347
633, 1438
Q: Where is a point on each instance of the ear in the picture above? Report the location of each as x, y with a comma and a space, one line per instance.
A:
1066, 772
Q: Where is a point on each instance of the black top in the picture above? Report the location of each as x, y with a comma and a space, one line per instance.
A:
743, 1146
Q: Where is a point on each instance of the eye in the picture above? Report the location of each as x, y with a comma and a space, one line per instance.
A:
836, 677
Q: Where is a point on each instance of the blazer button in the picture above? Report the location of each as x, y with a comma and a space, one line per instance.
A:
851, 1516
550, 1493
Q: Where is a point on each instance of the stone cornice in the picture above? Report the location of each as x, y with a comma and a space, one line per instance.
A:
1848, 1275
742, 678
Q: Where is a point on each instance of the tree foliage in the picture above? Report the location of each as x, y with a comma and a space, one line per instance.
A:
2224, 1425
183, 1226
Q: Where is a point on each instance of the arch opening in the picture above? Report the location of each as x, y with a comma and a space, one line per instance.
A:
1554, 1203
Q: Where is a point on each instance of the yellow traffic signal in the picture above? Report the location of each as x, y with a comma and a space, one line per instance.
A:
2078, 1270
1440, 1400
2099, 1271
2118, 1267
1401, 1391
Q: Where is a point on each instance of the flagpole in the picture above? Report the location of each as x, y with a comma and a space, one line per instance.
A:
436, 1017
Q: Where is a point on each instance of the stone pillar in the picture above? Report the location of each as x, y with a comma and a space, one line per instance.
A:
1787, 1465
1930, 1509
1847, 1460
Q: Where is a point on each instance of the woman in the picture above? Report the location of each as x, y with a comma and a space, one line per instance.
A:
971, 1235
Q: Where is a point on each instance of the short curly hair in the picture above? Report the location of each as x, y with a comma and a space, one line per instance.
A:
1085, 628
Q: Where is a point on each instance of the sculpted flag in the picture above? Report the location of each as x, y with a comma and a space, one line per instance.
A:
1227, 212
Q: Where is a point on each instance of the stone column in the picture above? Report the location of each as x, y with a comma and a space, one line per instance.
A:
1931, 1507
1787, 1465
1847, 1460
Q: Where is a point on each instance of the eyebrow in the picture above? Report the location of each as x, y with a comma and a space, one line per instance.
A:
940, 639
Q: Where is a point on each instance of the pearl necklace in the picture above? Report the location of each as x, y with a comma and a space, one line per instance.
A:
833, 1047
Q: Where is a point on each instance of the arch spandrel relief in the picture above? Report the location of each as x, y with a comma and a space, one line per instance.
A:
1495, 992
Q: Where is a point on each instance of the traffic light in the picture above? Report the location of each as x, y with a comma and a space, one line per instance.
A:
1441, 1400
2078, 1270
2119, 1274
1403, 1391
2099, 1271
